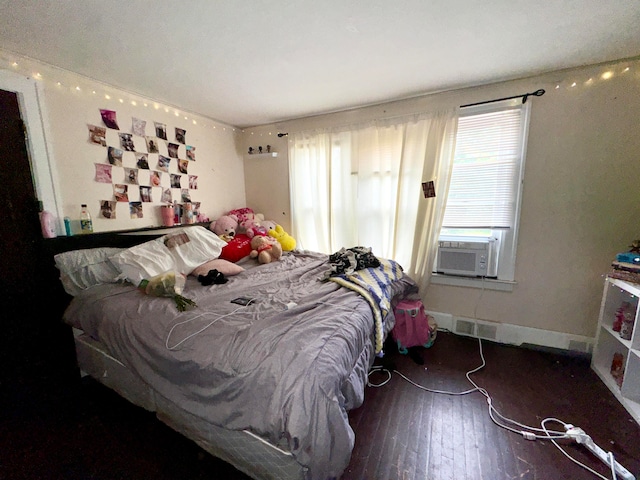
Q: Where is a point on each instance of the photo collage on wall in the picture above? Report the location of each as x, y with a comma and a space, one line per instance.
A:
144, 168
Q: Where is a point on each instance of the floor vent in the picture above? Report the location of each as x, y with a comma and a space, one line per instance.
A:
465, 327
578, 346
490, 332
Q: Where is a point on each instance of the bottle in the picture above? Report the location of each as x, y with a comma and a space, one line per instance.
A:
188, 213
86, 225
617, 323
47, 224
67, 226
627, 325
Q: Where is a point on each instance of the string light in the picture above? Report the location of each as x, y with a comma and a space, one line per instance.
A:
593, 77
30, 71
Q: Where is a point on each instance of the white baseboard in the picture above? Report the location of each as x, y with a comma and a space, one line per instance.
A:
512, 334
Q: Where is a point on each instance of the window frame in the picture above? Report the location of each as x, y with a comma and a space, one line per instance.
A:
507, 239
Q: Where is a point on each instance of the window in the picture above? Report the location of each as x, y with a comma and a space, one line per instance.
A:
485, 188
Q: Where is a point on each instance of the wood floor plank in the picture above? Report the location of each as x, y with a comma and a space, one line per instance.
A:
457, 438
402, 433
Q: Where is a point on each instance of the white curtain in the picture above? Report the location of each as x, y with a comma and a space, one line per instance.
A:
363, 186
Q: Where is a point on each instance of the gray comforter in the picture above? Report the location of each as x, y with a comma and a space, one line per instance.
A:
287, 367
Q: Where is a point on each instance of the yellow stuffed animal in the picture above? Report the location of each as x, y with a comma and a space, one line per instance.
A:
287, 242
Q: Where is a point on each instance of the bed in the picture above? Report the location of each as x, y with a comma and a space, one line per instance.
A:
265, 386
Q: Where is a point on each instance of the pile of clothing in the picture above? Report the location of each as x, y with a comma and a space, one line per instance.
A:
348, 260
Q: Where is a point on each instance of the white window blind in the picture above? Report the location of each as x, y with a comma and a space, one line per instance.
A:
483, 190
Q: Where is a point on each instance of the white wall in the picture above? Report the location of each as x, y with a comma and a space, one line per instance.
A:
267, 177
581, 200
71, 102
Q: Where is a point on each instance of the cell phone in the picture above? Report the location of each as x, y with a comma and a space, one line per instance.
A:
243, 301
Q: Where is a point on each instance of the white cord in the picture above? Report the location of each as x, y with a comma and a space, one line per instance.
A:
504, 422
543, 423
613, 466
383, 382
527, 432
220, 317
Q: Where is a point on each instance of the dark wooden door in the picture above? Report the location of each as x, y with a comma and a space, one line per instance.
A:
30, 327
19, 224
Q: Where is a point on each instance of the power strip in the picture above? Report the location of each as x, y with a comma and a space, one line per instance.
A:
582, 438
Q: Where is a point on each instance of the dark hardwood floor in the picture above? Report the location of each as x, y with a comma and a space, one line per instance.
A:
82, 430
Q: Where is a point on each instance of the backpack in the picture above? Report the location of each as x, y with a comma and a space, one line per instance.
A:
413, 326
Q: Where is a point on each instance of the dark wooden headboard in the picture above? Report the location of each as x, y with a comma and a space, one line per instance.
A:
119, 239
39, 344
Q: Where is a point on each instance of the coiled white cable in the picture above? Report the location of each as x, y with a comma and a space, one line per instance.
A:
219, 317
528, 432
613, 471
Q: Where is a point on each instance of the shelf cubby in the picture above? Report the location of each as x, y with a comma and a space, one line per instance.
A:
609, 342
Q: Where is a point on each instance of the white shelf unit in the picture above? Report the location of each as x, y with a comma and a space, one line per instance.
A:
609, 342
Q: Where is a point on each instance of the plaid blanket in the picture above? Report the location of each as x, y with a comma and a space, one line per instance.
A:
373, 284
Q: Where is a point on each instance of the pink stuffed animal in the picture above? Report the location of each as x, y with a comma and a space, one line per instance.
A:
225, 227
268, 225
248, 221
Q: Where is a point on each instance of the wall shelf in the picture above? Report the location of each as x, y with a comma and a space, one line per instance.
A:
261, 155
609, 342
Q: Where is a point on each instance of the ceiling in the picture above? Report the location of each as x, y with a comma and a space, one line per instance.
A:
254, 62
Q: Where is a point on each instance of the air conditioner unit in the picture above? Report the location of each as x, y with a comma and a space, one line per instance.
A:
467, 257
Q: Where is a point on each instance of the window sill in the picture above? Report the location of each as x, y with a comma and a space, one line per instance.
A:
471, 282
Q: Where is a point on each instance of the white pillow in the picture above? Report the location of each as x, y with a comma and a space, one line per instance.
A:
81, 269
223, 266
181, 252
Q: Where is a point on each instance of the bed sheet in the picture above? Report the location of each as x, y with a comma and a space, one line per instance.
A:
284, 367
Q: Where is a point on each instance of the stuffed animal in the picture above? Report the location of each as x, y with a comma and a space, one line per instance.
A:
254, 230
252, 226
287, 242
242, 214
268, 225
225, 227
237, 248
265, 249
247, 218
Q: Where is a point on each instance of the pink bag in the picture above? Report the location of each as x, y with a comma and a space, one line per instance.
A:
412, 325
